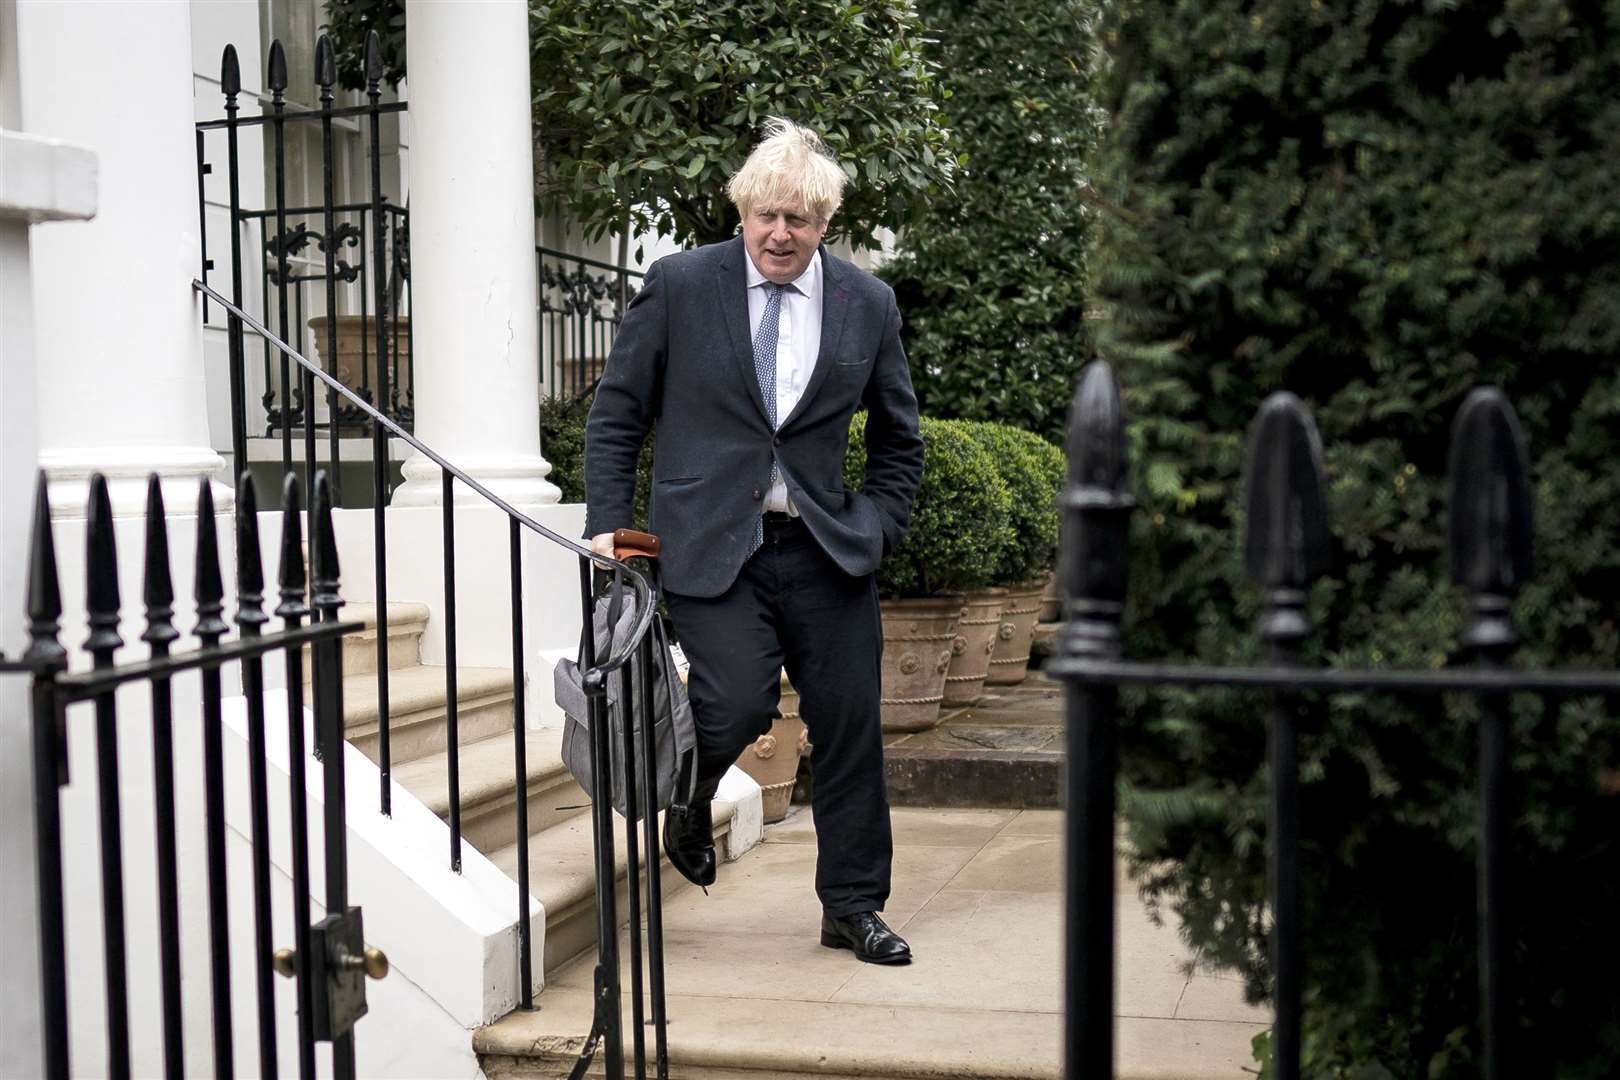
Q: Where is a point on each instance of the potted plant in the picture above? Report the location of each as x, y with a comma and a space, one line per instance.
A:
1034, 470
356, 365
959, 524
1026, 548
773, 758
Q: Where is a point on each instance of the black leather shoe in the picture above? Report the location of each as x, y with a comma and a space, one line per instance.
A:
866, 934
689, 841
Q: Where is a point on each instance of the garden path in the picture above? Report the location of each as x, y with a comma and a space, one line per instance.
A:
978, 893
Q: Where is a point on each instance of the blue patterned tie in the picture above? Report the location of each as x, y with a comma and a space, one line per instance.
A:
765, 372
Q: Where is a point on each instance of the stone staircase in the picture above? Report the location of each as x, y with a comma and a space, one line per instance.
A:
561, 865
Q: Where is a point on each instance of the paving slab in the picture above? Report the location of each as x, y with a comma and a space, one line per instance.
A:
754, 996
1005, 751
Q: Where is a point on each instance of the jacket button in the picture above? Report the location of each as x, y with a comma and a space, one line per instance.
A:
758, 495
777, 441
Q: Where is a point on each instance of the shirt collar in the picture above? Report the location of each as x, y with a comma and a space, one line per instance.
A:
808, 283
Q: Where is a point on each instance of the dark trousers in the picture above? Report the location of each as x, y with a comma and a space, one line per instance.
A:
791, 606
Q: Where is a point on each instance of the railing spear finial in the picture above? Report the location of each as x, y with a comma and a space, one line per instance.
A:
209, 584
1287, 545
324, 596
44, 588
250, 614
157, 585
374, 61
101, 557
1096, 518
325, 66
276, 75
1492, 546
291, 572
230, 76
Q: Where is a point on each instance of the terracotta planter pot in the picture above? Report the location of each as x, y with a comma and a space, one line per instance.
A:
971, 648
917, 636
357, 336
773, 758
1009, 663
1051, 600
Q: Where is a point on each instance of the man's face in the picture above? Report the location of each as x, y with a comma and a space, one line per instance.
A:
781, 240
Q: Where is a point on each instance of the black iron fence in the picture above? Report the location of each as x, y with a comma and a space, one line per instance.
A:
305, 251
1285, 550
328, 959
582, 302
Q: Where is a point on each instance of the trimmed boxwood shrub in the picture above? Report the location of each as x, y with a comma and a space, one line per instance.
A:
1376, 205
1033, 470
960, 521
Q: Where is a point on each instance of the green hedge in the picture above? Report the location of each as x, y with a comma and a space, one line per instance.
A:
960, 522
562, 442
991, 278
1377, 205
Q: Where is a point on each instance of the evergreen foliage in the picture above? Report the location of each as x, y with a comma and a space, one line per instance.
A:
562, 442
960, 523
643, 111
990, 277
1034, 471
1377, 205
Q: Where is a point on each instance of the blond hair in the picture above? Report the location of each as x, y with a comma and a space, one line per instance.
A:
789, 169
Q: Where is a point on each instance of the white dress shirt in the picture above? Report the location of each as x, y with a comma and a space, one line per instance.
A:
798, 341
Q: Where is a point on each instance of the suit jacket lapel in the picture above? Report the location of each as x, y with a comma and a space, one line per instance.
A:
834, 308
731, 287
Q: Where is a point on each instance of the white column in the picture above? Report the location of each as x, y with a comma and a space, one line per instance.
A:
117, 328
473, 291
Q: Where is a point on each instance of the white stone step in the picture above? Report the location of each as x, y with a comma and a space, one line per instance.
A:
487, 774
417, 712
562, 876
406, 624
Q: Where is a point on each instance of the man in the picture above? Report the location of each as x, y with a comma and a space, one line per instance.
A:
751, 356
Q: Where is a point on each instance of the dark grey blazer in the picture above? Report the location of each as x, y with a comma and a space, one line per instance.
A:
684, 359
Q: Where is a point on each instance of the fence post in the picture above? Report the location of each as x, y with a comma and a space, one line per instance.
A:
1491, 557
1284, 550
1093, 563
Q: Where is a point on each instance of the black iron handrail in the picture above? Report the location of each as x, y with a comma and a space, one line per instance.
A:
645, 612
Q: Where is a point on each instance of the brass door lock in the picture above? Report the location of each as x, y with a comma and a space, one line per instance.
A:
338, 966
374, 962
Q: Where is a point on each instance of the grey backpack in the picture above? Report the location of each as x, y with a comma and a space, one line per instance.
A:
674, 733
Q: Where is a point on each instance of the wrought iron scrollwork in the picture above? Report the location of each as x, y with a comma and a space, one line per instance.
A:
296, 238
579, 293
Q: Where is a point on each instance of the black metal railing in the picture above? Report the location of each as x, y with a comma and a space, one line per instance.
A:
304, 253
326, 954
582, 302
637, 762
1285, 550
